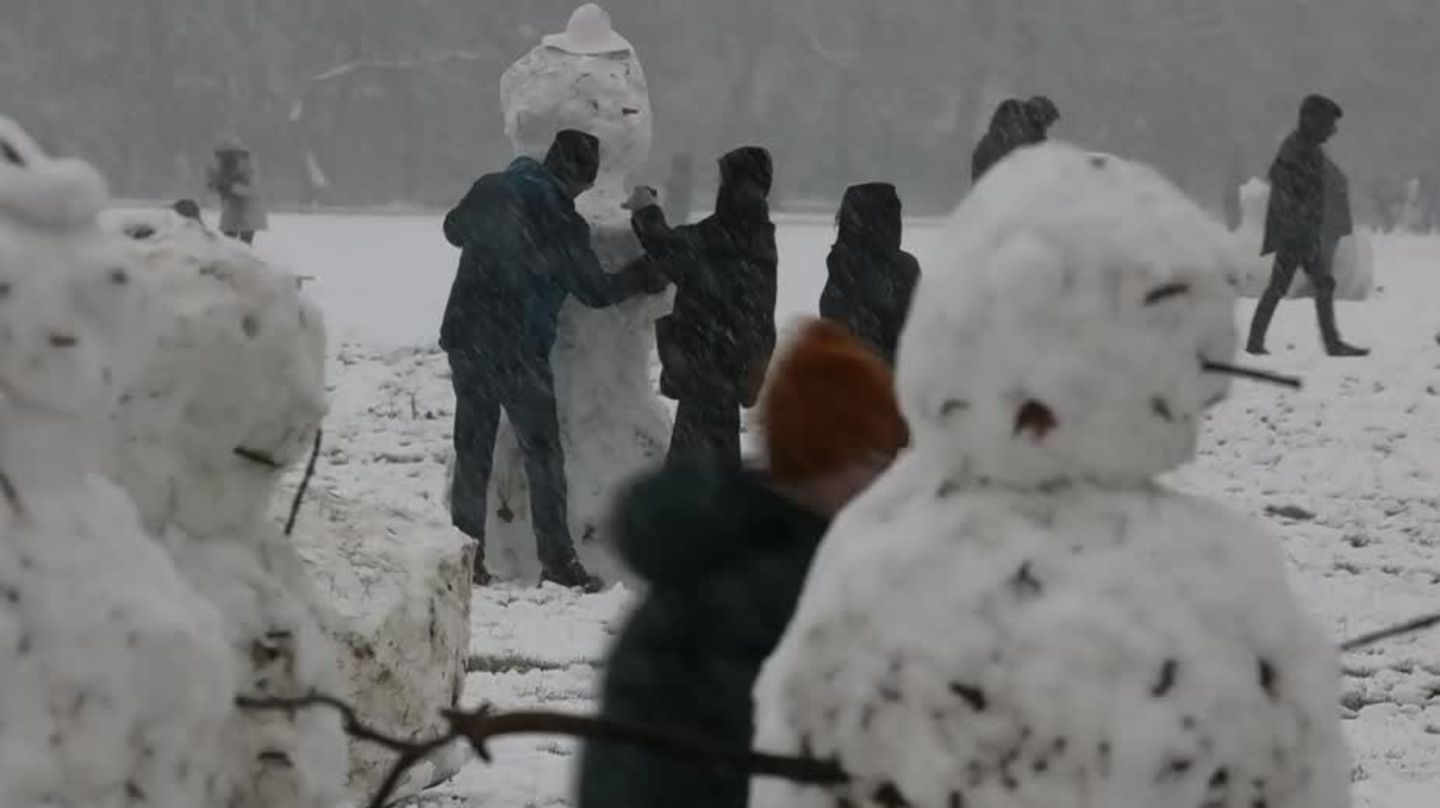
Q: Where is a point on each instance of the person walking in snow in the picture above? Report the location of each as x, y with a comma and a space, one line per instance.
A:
1010, 128
1296, 224
524, 250
716, 345
725, 553
871, 279
234, 178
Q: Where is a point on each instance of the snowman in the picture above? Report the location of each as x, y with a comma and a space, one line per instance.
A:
612, 425
116, 680
230, 396
1019, 613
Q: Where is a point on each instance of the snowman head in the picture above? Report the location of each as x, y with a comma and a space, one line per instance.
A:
1066, 334
587, 78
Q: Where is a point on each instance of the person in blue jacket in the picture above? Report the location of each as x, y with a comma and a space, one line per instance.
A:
524, 250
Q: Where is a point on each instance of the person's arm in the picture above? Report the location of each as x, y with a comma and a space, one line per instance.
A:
574, 258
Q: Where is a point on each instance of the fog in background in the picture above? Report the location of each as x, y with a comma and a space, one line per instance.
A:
397, 101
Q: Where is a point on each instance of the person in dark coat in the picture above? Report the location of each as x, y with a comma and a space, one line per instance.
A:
725, 553
1010, 128
1296, 227
524, 250
716, 345
1041, 114
871, 278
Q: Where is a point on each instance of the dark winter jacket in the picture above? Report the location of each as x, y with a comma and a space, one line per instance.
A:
717, 342
871, 279
1336, 223
725, 559
1296, 211
1010, 129
524, 249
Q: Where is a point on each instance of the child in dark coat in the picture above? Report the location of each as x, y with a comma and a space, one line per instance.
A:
725, 553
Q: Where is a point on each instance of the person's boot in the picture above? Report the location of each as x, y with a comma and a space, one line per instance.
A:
1329, 331
480, 576
572, 575
1260, 323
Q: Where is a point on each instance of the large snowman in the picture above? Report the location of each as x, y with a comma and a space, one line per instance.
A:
1020, 612
611, 423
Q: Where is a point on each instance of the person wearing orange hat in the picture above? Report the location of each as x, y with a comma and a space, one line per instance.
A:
725, 553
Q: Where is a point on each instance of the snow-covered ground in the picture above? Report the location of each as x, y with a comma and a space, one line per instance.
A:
1345, 472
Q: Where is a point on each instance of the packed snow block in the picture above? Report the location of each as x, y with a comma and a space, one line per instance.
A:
1354, 263
115, 684
612, 423
230, 395
397, 600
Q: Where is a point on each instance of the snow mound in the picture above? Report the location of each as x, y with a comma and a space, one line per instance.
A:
116, 683
1084, 284
398, 595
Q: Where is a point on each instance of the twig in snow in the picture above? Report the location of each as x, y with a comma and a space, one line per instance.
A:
257, 457
1408, 627
1249, 373
304, 483
478, 727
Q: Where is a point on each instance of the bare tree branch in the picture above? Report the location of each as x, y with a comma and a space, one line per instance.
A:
479, 726
304, 483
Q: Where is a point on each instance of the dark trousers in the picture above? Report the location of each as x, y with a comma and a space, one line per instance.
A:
707, 430
1317, 268
526, 391
247, 236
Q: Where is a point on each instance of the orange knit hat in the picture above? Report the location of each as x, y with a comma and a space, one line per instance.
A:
829, 401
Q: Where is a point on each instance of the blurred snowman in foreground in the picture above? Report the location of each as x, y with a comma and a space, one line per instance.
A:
1018, 613
612, 424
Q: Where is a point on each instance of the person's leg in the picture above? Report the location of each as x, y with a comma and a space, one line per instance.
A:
1280, 278
684, 435
248, 236
1318, 270
530, 403
477, 419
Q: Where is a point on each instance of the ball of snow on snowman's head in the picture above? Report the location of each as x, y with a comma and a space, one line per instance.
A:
72, 313
1064, 334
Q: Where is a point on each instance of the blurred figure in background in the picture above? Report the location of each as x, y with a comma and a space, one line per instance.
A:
715, 347
1010, 128
871, 279
1041, 114
725, 552
234, 178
